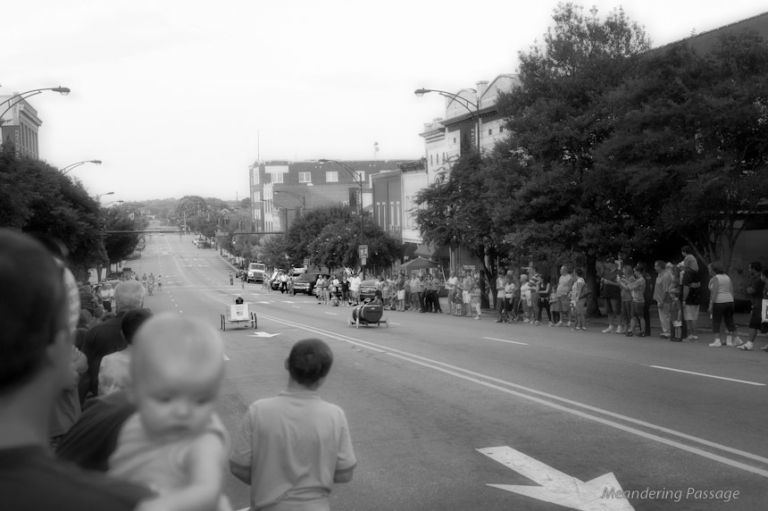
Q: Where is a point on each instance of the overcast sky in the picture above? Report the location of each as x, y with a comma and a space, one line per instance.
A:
179, 97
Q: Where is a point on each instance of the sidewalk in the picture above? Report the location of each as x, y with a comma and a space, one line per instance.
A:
704, 324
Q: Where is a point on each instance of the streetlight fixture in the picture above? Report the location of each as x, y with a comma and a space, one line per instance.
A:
358, 180
65, 170
473, 107
21, 96
100, 195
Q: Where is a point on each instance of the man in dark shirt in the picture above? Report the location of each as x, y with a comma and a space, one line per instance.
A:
106, 338
755, 289
36, 299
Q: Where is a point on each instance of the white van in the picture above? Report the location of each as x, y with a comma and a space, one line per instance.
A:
256, 272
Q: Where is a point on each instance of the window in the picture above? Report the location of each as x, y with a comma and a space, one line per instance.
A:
256, 196
277, 177
501, 129
331, 176
490, 131
255, 174
359, 176
454, 140
430, 160
305, 177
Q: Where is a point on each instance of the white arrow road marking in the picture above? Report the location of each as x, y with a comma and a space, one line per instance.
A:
602, 493
505, 340
262, 334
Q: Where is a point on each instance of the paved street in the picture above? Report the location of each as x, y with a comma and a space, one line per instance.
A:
427, 394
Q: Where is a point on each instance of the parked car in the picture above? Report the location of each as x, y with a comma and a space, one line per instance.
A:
305, 283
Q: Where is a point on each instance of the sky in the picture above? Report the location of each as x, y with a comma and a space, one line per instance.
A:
179, 97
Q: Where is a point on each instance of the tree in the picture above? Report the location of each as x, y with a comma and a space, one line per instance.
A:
461, 211
558, 117
691, 139
330, 237
119, 245
37, 198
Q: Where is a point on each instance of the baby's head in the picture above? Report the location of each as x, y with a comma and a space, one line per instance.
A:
309, 362
176, 368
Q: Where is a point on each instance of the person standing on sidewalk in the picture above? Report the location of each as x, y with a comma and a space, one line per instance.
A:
563, 294
663, 297
610, 292
721, 305
755, 291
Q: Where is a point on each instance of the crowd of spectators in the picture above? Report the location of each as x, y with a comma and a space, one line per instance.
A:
125, 400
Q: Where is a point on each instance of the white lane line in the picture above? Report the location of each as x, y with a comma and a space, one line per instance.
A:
505, 340
548, 399
330, 313
746, 382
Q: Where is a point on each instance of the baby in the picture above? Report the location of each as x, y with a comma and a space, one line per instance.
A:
175, 443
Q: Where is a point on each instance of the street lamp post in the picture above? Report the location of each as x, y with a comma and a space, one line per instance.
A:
21, 96
359, 181
473, 107
65, 170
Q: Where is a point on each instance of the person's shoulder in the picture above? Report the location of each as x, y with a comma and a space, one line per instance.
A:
68, 488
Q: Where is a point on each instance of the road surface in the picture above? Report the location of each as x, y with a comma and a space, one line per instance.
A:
443, 408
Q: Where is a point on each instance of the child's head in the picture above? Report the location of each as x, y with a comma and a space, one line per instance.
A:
309, 362
176, 368
627, 270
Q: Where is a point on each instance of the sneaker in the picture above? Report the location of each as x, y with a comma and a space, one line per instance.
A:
728, 340
620, 330
584, 328
559, 323
689, 339
664, 335
608, 330
738, 342
764, 348
747, 346
477, 317
694, 337
629, 334
715, 344
641, 334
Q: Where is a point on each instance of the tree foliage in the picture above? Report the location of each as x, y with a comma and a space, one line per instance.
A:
37, 198
330, 237
691, 139
119, 246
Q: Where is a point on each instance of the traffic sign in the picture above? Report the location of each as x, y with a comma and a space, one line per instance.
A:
362, 261
363, 251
